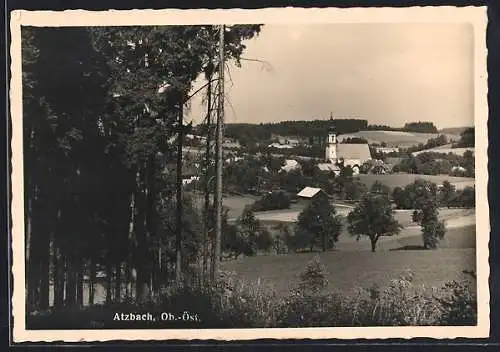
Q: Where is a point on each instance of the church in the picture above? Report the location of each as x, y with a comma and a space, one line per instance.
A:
338, 154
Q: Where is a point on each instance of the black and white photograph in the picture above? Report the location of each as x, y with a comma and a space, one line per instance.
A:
244, 174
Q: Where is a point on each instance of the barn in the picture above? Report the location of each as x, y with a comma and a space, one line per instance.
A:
308, 194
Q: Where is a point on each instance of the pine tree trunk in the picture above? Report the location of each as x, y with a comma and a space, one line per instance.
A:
79, 272
71, 284
109, 283
92, 277
44, 272
179, 217
131, 240
118, 282
56, 282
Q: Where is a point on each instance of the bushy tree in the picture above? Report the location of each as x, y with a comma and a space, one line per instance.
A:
313, 279
380, 188
318, 224
373, 217
354, 189
426, 215
447, 194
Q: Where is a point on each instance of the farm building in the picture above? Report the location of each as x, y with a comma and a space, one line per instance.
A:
308, 194
290, 165
329, 167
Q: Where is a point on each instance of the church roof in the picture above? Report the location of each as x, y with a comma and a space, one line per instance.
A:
353, 151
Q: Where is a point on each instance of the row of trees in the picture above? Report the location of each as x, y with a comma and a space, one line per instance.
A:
97, 134
412, 195
432, 163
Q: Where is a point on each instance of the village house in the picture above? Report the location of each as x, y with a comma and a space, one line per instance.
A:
230, 143
290, 165
387, 150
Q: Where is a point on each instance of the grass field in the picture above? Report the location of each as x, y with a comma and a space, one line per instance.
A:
396, 138
443, 150
352, 264
401, 180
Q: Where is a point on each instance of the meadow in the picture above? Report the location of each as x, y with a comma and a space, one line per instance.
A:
403, 179
445, 150
352, 264
397, 138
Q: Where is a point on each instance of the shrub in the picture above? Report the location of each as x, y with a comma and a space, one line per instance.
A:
313, 278
272, 201
459, 303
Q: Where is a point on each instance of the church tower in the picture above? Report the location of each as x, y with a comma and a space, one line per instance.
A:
331, 146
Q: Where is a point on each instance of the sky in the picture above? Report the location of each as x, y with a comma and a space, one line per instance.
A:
385, 73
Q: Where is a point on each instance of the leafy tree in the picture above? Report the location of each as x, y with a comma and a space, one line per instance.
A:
373, 217
380, 188
319, 223
354, 189
447, 194
250, 231
465, 198
467, 138
426, 215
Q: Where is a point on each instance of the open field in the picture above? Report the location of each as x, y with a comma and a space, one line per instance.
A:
355, 266
443, 150
401, 180
396, 138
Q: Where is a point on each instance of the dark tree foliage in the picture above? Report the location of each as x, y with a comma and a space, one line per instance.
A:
250, 134
272, 201
318, 225
97, 138
467, 139
354, 140
421, 127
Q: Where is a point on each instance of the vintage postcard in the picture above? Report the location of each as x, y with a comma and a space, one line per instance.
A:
246, 174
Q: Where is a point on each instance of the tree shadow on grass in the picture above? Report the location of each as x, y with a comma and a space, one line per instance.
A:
411, 247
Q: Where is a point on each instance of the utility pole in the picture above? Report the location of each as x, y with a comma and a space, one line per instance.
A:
206, 209
220, 121
178, 236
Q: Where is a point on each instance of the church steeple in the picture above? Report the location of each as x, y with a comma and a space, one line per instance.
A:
331, 144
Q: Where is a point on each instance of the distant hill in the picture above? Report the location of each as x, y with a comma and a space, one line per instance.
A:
412, 133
